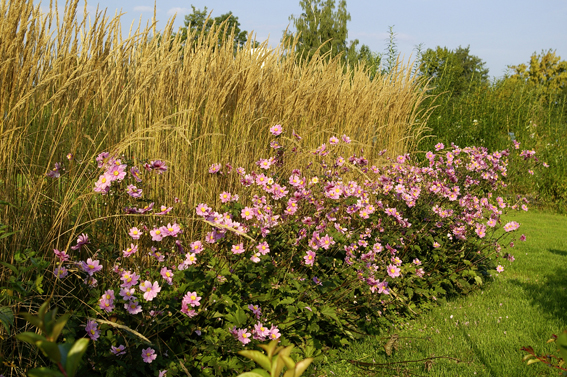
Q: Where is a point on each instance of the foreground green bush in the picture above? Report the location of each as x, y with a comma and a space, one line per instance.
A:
312, 258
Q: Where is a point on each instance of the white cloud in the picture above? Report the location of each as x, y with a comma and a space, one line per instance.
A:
143, 8
178, 10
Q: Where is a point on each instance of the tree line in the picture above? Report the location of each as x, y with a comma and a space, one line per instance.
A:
322, 29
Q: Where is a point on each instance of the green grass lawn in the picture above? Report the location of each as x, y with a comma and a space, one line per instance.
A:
523, 306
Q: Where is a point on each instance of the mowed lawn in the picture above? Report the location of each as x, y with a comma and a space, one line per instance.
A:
482, 334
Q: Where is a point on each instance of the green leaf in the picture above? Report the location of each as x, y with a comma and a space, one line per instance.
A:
34, 320
258, 357
527, 357
254, 374
4, 235
43, 309
270, 347
261, 372
478, 280
6, 317
74, 356
288, 361
10, 266
38, 284
277, 365
237, 318
287, 301
50, 349
64, 349
301, 366
30, 337
44, 372
331, 313
49, 322
289, 373
5, 203
58, 327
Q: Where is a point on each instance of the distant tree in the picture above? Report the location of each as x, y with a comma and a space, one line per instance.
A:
323, 28
545, 70
320, 23
200, 23
453, 70
371, 60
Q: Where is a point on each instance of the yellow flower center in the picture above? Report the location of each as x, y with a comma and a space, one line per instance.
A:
193, 297
158, 232
103, 180
134, 232
116, 172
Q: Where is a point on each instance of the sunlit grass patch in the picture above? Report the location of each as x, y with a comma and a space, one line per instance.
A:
482, 334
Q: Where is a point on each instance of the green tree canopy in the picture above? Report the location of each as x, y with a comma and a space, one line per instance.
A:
323, 26
200, 23
546, 70
453, 70
320, 23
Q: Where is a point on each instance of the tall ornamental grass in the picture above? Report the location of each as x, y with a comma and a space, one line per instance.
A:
72, 88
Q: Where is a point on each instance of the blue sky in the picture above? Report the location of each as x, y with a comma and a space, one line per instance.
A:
500, 32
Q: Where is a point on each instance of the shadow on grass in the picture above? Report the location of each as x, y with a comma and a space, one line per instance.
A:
562, 253
550, 294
